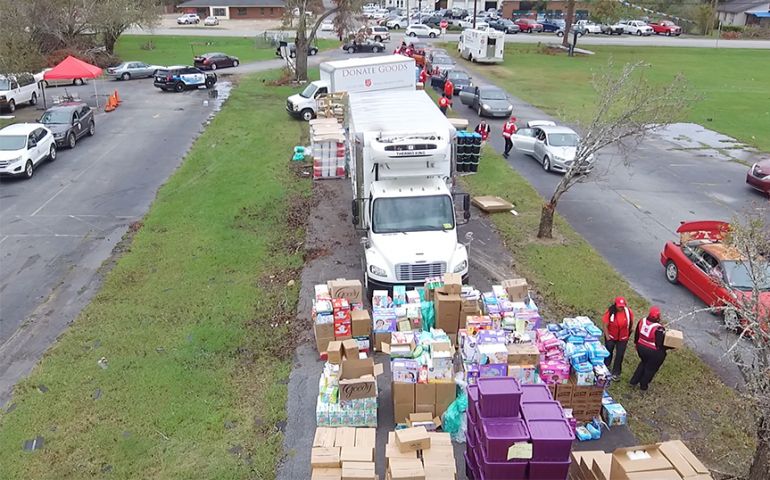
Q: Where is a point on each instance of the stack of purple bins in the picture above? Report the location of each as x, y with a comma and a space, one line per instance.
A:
500, 413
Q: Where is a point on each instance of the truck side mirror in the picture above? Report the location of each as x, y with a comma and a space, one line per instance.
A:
354, 209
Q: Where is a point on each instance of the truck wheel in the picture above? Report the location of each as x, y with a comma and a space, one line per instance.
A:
307, 114
638, 33
432, 35
33, 99
668, 34
11, 106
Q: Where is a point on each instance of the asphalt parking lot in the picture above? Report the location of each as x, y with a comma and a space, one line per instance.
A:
57, 228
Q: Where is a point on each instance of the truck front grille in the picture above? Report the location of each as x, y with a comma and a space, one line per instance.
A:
415, 272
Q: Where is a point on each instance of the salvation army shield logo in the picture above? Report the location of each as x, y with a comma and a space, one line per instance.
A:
368, 82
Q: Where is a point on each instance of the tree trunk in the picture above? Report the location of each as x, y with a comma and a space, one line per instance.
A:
545, 230
569, 19
760, 465
109, 41
300, 60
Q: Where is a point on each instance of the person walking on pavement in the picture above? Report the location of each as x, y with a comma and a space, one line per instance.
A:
449, 88
444, 103
509, 128
483, 130
649, 338
617, 323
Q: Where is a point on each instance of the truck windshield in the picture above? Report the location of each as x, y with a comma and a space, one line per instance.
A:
309, 91
412, 214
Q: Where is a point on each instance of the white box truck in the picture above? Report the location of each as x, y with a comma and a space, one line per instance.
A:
401, 166
482, 45
390, 72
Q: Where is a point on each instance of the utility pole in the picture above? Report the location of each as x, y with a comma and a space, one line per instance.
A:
474, 13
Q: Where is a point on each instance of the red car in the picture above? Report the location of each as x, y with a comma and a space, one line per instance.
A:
528, 25
758, 176
666, 27
712, 270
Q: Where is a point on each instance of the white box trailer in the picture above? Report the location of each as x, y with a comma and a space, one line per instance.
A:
401, 168
482, 45
369, 74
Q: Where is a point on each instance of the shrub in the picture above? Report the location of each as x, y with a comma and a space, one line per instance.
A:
732, 28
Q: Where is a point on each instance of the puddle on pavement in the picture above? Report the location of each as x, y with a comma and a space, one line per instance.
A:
706, 143
216, 98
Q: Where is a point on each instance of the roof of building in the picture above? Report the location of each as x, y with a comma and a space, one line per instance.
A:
232, 3
737, 6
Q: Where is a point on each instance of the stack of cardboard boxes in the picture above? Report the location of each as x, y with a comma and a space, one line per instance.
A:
670, 460
416, 454
338, 314
343, 454
584, 401
449, 306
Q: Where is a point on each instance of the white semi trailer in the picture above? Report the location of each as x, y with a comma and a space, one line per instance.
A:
402, 168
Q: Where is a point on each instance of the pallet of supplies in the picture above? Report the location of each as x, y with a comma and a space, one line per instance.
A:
327, 142
343, 453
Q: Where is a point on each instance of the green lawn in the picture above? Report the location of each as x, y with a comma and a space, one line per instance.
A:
179, 50
686, 400
195, 322
732, 83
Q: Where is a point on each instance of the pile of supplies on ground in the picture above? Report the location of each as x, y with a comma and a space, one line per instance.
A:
327, 144
343, 454
414, 453
338, 314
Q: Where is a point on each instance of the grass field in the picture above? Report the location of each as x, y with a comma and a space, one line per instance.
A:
195, 322
686, 399
732, 84
179, 50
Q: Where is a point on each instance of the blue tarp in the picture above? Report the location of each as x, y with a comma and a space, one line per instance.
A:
761, 14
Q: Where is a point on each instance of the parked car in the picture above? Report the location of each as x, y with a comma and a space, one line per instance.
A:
23, 146
431, 20
488, 101
612, 29
188, 18
758, 176
637, 27
420, 30
68, 122
528, 25
713, 271
292, 49
552, 25
461, 80
212, 61
327, 26
440, 62
666, 27
58, 83
504, 25
129, 70
17, 89
181, 78
589, 27
398, 22
551, 145
367, 46
379, 34
211, 21
481, 23
574, 28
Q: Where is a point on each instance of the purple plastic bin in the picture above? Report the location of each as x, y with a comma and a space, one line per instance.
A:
537, 392
499, 397
471, 435
473, 418
473, 401
551, 440
541, 410
548, 470
508, 470
497, 434
470, 462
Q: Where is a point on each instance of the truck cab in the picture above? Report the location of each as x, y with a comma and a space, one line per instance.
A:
303, 105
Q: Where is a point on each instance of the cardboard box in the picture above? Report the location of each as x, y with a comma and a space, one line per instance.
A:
640, 461
683, 460
350, 290
358, 471
392, 451
429, 408
445, 395
517, 289
425, 393
441, 472
406, 469
453, 284
448, 312
424, 419
325, 457
362, 323
379, 339
324, 437
440, 439
345, 437
656, 475
334, 352
523, 354
403, 401
350, 349
358, 378
414, 438
601, 466
326, 474
324, 333
356, 454
366, 437
673, 339
438, 455
585, 462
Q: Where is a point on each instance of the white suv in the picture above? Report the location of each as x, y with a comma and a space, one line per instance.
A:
17, 89
637, 27
188, 18
420, 30
23, 146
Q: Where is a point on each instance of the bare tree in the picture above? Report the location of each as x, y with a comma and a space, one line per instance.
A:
569, 19
19, 51
113, 17
627, 108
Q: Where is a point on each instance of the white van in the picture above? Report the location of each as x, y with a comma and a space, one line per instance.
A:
482, 45
17, 89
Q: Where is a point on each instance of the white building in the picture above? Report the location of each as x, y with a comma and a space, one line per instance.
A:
743, 12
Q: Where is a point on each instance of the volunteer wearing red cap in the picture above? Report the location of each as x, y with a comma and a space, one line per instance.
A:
449, 88
617, 322
509, 128
649, 338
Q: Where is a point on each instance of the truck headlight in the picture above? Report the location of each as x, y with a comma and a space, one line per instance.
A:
462, 266
375, 270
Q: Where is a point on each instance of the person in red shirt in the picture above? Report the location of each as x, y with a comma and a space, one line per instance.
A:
509, 128
423, 76
444, 104
449, 88
483, 130
617, 323
649, 338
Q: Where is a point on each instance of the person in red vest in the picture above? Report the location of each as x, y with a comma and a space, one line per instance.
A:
649, 338
423, 76
618, 323
449, 88
509, 128
483, 130
444, 103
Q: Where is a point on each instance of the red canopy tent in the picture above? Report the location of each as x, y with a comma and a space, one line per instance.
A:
71, 68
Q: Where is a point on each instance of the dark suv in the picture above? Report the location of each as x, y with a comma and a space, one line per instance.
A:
68, 122
179, 79
292, 49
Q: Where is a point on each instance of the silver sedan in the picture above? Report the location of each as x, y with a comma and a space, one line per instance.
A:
129, 70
